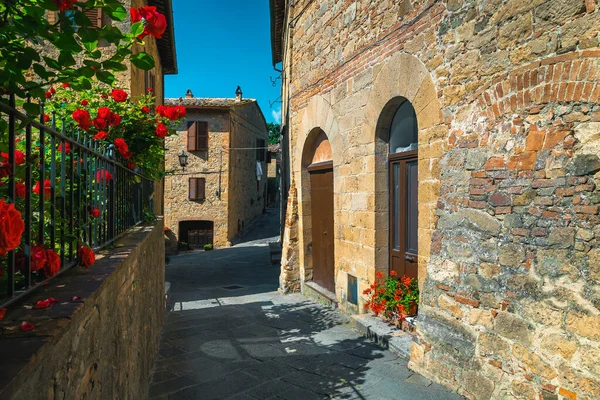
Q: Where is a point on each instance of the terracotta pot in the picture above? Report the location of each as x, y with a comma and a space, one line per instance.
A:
412, 309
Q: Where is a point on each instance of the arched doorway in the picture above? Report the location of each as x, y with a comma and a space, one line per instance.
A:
404, 185
318, 163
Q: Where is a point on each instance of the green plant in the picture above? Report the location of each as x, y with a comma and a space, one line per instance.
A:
391, 295
181, 245
208, 246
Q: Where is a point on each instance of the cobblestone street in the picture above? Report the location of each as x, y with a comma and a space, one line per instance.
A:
230, 335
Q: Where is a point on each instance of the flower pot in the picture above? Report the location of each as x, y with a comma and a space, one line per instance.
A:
412, 309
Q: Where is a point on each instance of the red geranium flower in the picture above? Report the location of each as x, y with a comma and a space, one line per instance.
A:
47, 188
146, 110
82, 117
84, 102
161, 130
393, 273
11, 227
52, 265
405, 280
379, 275
20, 189
103, 176
156, 23
86, 256
119, 95
100, 135
95, 212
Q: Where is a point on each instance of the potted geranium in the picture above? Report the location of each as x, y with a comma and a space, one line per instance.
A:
393, 298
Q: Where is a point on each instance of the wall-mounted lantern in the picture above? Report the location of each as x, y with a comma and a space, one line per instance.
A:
183, 160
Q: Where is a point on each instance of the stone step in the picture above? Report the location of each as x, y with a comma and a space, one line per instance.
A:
384, 334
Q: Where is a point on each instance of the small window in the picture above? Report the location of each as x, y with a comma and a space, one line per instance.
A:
197, 136
197, 188
261, 151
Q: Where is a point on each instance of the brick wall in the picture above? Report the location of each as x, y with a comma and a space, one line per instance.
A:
100, 348
506, 95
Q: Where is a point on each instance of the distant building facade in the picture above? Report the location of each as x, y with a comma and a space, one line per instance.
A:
223, 187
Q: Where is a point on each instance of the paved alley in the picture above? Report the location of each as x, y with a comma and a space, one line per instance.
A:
230, 335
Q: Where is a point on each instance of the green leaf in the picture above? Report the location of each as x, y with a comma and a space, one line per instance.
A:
66, 59
90, 46
114, 66
116, 12
137, 29
87, 72
32, 108
34, 11
143, 61
3, 126
111, 34
85, 83
41, 71
106, 77
52, 63
88, 35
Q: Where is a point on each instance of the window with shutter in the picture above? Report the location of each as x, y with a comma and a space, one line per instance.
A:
260, 150
95, 15
197, 189
191, 142
201, 135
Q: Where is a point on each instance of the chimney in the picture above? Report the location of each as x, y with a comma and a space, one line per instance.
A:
189, 94
238, 94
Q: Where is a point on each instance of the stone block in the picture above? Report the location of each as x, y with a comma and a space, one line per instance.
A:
478, 385
493, 345
512, 327
587, 326
534, 363
448, 335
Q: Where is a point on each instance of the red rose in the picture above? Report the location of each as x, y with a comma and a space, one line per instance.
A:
39, 258
52, 90
103, 176
115, 120
11, 227
146, 110
100, 135
84, 102
47, 188
20, 189
156, 23
162, 111
26, 326
131, 165
66, 85
53, 264
150, 90
86, 256
122, 147
99, 123
19, 157
67, 147
161, 130
104, 113
95, 212
48, 95
119, 95
5, 169
46, 118
82, 117
64, 5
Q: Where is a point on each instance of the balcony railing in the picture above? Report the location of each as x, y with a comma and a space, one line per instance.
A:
71, 190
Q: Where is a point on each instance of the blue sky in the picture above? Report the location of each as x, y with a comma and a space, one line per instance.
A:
220, 45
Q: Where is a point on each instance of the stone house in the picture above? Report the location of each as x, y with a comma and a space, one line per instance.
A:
223, 188
454, 141
273, 175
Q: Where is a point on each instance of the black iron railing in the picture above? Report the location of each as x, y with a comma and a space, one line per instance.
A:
71, 190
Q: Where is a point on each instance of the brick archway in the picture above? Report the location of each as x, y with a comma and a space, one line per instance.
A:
404, 77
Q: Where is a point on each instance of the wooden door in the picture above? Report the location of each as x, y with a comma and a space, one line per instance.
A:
404, 186
197, 238
321, 182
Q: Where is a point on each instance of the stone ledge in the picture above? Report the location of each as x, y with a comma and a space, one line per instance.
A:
102, 347
384, 334
320, 295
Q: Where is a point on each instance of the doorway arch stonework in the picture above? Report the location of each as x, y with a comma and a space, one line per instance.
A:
404, 77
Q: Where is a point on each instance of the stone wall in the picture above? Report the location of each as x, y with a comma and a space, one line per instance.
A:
506, 94
211, 165
247, 199
100, 348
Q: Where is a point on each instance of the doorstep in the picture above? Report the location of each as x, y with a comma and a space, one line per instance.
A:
387, 335
320, 295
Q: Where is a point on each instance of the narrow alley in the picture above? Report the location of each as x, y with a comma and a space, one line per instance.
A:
230, 335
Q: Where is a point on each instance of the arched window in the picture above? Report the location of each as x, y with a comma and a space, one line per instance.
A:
404, 130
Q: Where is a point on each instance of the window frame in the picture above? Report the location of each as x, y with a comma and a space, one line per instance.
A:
198, 183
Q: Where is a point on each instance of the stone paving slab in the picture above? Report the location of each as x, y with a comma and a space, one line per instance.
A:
253, 343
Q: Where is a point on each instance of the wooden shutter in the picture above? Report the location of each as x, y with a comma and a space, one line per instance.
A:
52, 17
201, 135
95, 15
201, 188
193, 190
192, 142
